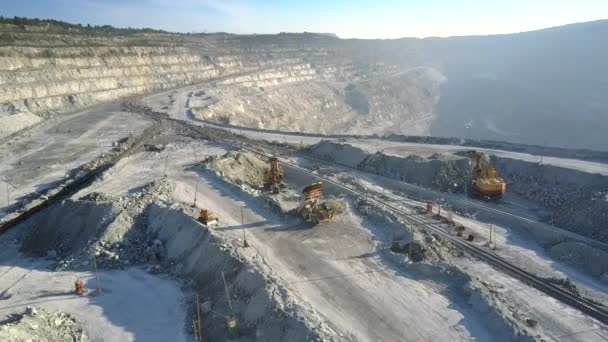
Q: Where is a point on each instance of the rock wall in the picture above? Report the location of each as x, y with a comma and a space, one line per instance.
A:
57, 80
577, 200
45, 74
523, 88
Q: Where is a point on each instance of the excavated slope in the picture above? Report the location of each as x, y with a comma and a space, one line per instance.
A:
540, 87
45, 74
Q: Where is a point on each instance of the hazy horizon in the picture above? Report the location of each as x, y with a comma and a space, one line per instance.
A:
347, 19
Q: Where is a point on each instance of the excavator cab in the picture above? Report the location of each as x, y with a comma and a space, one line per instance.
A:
486, 181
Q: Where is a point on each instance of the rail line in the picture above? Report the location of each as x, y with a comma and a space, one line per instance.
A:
452, 199
585, 305
82, 181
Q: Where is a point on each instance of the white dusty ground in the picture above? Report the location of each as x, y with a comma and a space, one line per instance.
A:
42, 156
340, 277
357, 295
133, 305
519, 248
313, 265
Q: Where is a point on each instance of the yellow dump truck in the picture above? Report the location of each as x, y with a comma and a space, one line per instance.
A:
312, 208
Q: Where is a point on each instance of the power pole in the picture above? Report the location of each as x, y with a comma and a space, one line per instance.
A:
542, 152
195, 191
466, 187
227, 293
8, 196
166, 161
198, 320
96, 273
409, 253
245, 244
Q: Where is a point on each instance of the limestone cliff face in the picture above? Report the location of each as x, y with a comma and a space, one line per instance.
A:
537, 87
45, 81
302, 77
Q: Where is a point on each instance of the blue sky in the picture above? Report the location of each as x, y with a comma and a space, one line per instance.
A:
348, 19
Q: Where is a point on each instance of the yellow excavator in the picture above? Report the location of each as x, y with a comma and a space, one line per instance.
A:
273, 176
486, 181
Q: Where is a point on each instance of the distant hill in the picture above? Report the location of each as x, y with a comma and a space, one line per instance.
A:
548, 86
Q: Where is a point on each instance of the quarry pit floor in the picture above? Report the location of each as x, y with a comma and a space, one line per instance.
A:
341, 276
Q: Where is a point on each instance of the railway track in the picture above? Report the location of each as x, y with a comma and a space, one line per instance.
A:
83, 181
585, 305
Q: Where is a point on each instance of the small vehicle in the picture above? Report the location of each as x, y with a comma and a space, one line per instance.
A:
207, 218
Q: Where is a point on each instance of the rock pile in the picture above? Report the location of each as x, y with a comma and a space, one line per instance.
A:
575, 198
240, 168
125, 241
112, 229
436, 172
41, 325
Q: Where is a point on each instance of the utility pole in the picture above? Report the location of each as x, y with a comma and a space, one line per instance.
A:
231, 323
166, 161
195, 191
194, 330
542, 152
409, 253
99, 144
466, 187
227, 293
245, 244
8, 196
198, 333
96, 273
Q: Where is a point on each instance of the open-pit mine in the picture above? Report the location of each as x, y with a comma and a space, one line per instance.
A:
301, 187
